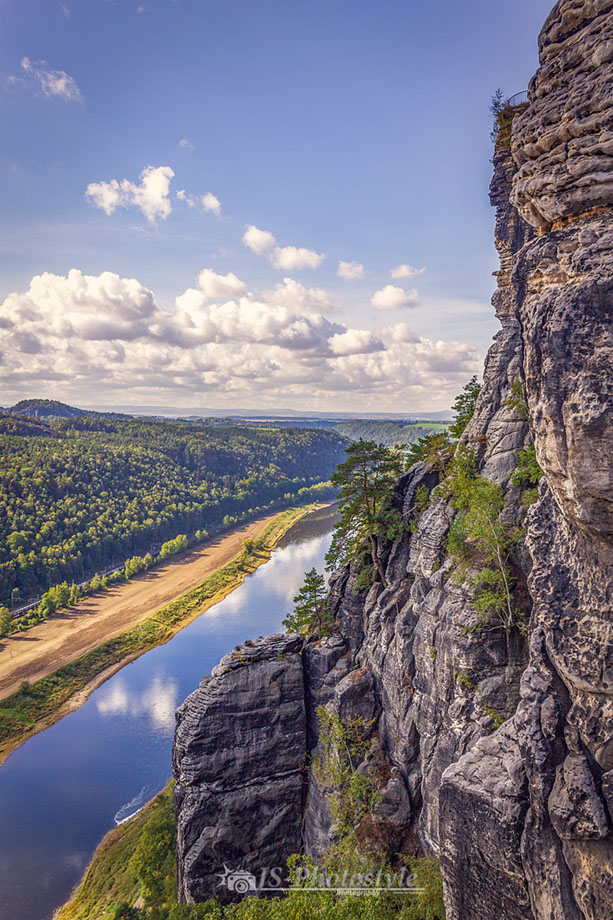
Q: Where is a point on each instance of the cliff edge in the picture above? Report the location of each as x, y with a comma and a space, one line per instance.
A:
490, 747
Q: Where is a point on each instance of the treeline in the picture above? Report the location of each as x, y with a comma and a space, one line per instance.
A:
79, 495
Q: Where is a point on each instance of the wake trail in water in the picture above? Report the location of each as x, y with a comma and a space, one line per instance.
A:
132, 807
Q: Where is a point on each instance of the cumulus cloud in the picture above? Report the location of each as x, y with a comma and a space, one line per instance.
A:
350, 270
43, 79
392, 298
355, 342
186, 144
88, 338
406, 271
287, 258
211, 203
258, 241
295, 296
215, 287
151, 195
399, 332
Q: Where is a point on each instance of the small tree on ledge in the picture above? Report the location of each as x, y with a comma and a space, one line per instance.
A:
312, 614
365, 481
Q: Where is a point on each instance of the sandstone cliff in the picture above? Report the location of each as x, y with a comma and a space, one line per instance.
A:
521, 815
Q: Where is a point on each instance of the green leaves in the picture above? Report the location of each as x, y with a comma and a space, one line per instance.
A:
481, 542
365, 482
464, 407
312, 614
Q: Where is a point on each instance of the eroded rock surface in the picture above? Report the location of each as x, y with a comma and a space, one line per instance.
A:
520, 815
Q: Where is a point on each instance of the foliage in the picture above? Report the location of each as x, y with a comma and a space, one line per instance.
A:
312, 614
464, 407
153, 861
527, 474
388, 433
365, 482
172, 547
481, 541
517, 399
502, 114
81, 495
5, 621
343, 743
436, 449
427, 904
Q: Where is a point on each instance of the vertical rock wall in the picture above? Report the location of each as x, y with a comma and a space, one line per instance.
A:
520, 816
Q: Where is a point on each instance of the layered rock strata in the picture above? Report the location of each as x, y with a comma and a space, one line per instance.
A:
521, 815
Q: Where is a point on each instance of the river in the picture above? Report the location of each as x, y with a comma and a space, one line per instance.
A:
62, 790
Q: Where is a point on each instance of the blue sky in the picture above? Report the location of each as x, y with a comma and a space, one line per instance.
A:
353, 131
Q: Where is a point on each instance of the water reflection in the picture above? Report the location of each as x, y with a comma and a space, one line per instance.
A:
158, 702
64, 788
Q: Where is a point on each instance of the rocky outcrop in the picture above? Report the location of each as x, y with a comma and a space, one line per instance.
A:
520, 814
238, 762
552, 801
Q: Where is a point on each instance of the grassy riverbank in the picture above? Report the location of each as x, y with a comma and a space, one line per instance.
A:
135, 864
38, 705
109, 879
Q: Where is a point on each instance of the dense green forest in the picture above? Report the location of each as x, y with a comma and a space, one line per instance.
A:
78, 494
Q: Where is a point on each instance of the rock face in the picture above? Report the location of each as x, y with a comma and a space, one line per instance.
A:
519, 815
238, 759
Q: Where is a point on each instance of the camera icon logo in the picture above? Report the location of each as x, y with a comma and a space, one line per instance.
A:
237, 880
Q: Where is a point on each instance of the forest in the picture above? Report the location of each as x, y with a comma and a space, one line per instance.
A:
79, 494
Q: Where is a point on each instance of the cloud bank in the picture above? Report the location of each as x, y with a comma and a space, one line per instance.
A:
94, 338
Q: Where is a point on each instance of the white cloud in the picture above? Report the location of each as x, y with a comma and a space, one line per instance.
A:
186, 144
350, 270
296, 296
290, 258
287, 258
215, 287
406, 271
151, 195
94, 339
355, 342
399, 332
211, 203
49, 82
258, 241
66, 10
392, 298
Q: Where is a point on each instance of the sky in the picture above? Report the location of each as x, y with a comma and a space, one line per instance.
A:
254, 204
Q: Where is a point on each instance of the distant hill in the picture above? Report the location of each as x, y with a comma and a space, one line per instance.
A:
47, 409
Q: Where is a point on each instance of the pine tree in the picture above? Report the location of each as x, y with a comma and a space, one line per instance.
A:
365, 481
312, 614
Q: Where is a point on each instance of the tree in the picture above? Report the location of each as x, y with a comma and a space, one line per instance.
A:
312, 614
435, 448
480, 540
365, 482
464, 407
5, 621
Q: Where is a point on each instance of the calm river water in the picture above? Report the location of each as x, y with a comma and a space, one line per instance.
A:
64, 788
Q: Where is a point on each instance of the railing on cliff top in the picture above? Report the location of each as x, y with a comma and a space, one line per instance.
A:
518, 99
